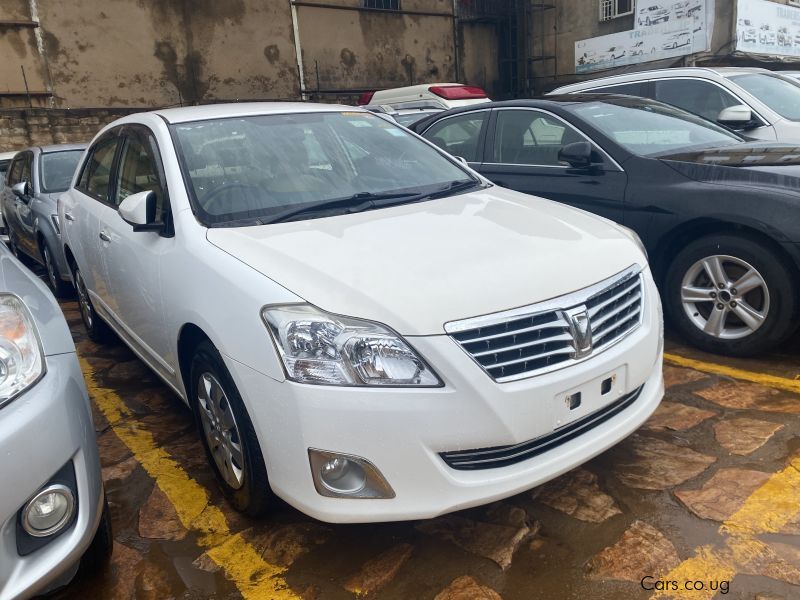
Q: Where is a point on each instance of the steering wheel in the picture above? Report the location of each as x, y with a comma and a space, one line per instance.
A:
224, 191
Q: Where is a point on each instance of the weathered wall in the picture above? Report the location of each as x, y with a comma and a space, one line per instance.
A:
355, 49
23, 127
479, 56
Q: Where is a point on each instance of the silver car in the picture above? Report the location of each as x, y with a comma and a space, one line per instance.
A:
35, 180
53, 514
760, 104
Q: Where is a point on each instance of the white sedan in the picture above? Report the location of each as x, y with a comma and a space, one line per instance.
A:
361, 324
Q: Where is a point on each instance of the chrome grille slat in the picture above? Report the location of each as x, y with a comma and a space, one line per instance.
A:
561, 337
540, 338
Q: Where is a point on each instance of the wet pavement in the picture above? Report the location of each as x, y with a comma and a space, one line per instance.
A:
707, 491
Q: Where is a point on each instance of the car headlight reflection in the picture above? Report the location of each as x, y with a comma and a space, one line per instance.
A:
21, 361
318, 347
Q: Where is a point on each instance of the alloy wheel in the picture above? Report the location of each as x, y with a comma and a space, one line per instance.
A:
221, 430
87, 312
51, 269
725, 297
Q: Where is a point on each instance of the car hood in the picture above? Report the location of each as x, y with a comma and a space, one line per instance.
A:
753, 164
417, 266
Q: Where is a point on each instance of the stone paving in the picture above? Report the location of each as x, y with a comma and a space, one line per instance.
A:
637, 510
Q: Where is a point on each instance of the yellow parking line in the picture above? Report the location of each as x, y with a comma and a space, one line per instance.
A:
781, 383
241, 563
767, 510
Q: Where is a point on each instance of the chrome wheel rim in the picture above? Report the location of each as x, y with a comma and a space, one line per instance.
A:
725, 297
83, 301
221, 430
51, 270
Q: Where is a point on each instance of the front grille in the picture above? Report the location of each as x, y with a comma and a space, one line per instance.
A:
503, 456
542, 338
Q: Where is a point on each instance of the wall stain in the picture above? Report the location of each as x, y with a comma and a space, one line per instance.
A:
347, 58
272, 53
14, 40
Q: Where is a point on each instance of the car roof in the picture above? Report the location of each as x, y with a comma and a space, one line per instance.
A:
244, 109
654, 73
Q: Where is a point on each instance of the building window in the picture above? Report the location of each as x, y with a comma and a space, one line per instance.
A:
381, 4
611, 9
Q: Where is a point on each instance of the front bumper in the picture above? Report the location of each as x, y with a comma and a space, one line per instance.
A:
40, 432
403, 431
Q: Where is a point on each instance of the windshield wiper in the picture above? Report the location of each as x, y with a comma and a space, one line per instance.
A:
369, 200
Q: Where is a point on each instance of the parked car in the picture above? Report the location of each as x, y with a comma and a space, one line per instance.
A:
5, 161
406, 116
758, 103
719, 216
439, 95
653, 14
332, 292
677, 40
37, 177
53, 513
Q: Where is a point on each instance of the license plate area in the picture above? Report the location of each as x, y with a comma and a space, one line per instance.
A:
589, 397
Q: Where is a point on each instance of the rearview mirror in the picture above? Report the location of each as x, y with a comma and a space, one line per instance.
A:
22, 190
577, 155
139, 210
735, 117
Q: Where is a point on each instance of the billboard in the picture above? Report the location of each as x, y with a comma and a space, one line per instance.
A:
661, 30
767, 28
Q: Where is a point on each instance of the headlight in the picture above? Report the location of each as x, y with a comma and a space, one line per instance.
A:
634, 238
21, 361
317, 347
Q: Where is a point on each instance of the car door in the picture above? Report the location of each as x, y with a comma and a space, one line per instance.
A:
134, 258
461, 135
24, 236
521, 153
10, 198
83, 208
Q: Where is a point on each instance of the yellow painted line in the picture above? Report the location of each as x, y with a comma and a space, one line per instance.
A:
255, 578
781, 383
767, 510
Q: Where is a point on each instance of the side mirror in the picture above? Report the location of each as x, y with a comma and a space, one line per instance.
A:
577, 155
139, 210
22, 190
735, 117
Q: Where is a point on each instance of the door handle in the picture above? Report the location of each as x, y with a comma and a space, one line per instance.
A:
68, 216
104, 236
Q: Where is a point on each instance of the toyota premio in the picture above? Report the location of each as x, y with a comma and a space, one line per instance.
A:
362, 325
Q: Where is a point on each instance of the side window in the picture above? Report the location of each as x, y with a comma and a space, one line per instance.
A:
530, 137
15, 172
96, 175
459, 135
699, 97
138, 171
629, 89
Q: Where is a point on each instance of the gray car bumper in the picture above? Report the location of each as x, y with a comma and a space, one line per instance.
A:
47, 427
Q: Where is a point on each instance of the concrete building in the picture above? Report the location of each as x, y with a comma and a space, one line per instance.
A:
580, 39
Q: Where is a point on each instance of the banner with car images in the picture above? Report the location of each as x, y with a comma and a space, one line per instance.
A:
661, 30
767, 28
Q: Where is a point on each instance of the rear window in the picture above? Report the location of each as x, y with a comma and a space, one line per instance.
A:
57, 169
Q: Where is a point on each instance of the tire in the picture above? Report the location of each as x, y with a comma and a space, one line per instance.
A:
99, 552
241, 473
96, 328
61, 289
769, 304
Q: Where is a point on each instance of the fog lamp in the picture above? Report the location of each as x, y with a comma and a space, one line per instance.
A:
49, 511
346, 476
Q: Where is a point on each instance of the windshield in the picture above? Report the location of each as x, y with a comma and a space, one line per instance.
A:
781, 95
650, 128
57, 170
248, 168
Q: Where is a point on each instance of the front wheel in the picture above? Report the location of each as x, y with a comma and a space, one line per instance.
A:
60, 287
96, 328
227, 433
731, 295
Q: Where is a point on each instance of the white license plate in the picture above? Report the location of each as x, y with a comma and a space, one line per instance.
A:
589, 397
